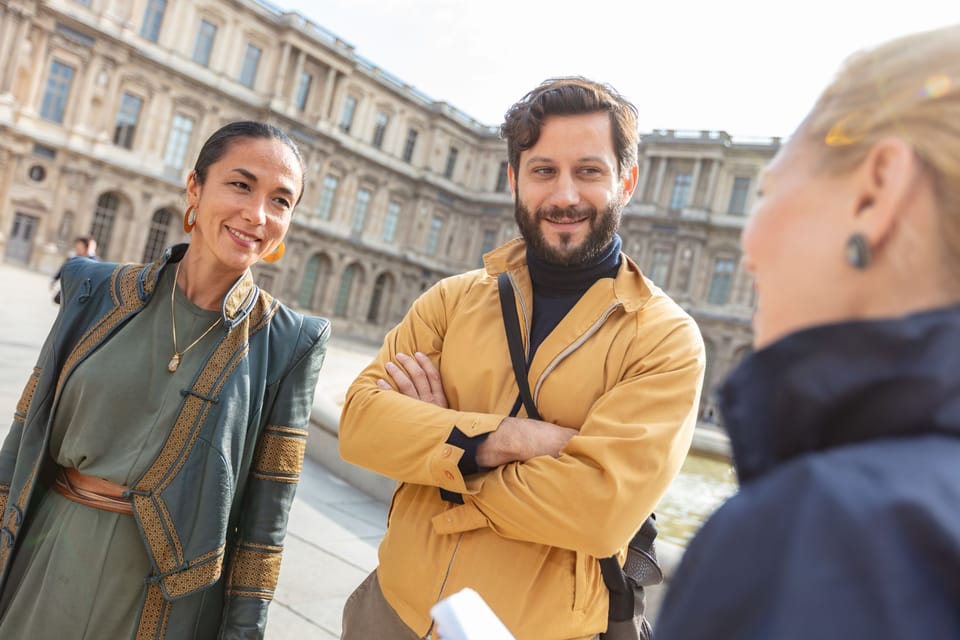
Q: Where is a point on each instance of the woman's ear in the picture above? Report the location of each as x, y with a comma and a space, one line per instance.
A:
193, 189
885, 181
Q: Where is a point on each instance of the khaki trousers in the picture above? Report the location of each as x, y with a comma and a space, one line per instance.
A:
368, 616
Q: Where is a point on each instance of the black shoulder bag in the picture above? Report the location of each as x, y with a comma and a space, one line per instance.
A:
626, 583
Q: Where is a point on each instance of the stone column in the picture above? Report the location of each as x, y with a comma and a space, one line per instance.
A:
694, 180
644, 174
282, 73
297, 70
38, 72
329, 87
658, 185
8, 48
85, 82
712, 184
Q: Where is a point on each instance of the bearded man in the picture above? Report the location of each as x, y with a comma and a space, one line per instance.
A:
517, 508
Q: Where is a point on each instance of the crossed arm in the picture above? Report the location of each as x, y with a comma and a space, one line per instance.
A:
514, 440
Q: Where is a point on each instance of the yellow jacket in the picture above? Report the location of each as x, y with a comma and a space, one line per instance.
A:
624, 367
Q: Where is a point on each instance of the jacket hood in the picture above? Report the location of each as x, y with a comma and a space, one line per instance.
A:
844, 383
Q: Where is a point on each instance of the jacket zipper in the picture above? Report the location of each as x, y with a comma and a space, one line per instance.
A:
446, 575
573, 347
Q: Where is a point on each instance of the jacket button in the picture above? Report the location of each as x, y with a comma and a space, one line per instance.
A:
448, 474
446, 452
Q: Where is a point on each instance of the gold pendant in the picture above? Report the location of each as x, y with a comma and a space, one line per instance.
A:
174, 363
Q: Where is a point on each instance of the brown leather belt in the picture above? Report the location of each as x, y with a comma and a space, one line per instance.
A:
92, 491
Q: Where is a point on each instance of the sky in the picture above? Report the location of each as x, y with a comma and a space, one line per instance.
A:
748, 67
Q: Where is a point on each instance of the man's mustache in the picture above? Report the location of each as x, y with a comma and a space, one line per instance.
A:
556, 214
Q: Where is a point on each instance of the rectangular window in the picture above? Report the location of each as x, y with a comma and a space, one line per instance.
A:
360, 210
681, 191
433, 236
251, 60
410, 145
380, 129
203, 47
451, 163
44, 151
346, 116
502, 180
303, 90
738, 197
390, 222
152, 19
178, 142
660, 266
723, 270
327, 196
55, 95
127, 118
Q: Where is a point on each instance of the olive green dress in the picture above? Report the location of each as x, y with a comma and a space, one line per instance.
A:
113, 417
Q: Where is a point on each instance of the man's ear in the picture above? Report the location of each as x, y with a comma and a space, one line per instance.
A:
629, 183
512, 179
885, 181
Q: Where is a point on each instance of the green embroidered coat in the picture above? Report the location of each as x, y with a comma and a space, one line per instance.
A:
232, 457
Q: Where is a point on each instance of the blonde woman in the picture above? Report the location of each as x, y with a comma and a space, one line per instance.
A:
845, 422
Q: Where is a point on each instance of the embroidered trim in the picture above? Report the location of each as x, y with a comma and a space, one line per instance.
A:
157, 525
154, 615
279, 455
124, 281
201, 572
254, 571
23, 406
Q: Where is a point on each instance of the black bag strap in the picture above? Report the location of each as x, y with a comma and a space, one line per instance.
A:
621, 593
511, 323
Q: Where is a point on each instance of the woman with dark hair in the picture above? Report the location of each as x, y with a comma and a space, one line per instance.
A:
147, 477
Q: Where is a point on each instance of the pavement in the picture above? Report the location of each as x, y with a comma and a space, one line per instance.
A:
334, 528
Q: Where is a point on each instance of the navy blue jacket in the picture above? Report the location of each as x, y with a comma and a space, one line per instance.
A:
847, 523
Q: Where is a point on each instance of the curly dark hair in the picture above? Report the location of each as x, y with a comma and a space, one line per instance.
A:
570, 96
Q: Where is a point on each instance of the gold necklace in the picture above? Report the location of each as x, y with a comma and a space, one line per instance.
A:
177, 354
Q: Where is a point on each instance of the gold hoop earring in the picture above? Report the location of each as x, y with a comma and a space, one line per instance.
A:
276, 254
189, 219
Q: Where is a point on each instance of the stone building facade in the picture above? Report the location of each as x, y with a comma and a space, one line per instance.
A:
104, 105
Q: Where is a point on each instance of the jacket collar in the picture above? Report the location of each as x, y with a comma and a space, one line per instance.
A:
236, 305
628, 288
841, 384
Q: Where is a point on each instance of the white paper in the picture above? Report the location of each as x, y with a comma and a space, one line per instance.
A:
465, 616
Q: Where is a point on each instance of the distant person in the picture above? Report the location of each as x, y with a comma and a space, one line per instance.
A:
146, 479
845, 422
84, 247
520, 509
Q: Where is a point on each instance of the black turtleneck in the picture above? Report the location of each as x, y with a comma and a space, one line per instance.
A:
557, 289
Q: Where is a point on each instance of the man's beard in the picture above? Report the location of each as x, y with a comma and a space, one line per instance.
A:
603, 227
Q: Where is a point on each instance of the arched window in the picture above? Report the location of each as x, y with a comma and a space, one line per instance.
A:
309, 283
380, 286
103, 216
343, 295
157, 236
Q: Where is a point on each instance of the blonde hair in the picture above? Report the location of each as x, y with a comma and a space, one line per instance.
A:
908, 88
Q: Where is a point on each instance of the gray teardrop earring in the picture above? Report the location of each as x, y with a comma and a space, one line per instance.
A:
858, 251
